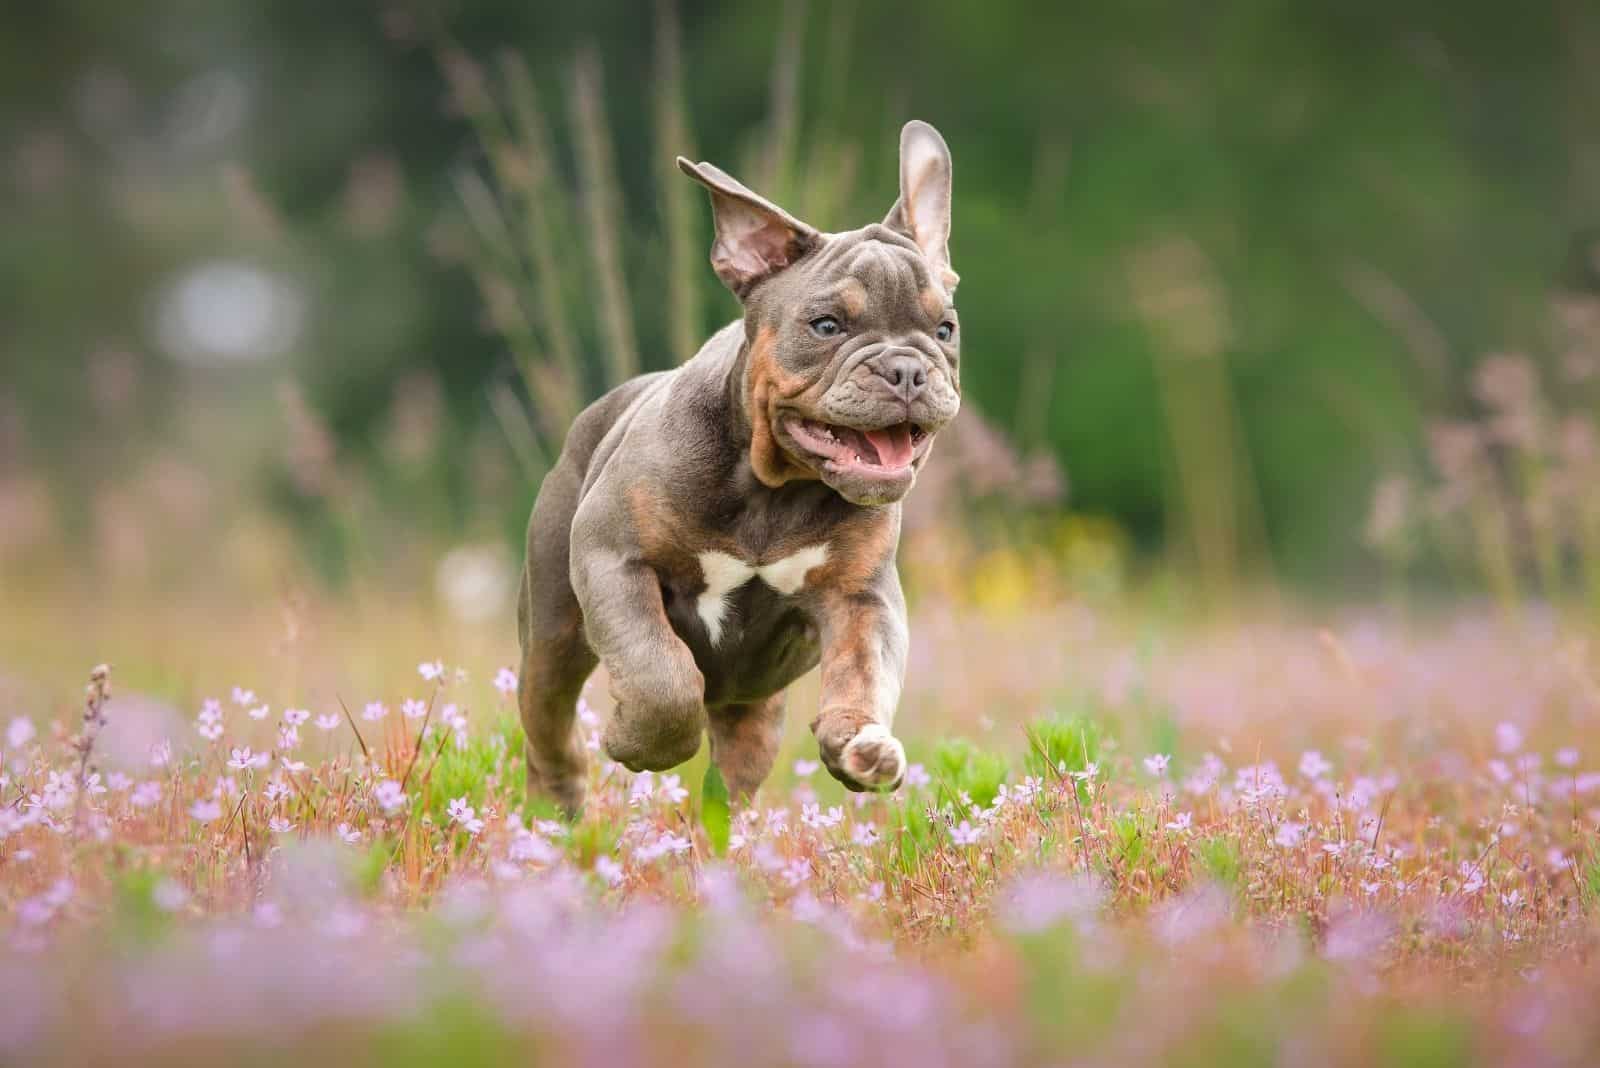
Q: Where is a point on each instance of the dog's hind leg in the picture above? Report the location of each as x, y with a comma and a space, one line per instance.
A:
556, 659
744, 743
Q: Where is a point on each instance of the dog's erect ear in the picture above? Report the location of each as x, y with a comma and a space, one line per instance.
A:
923, 211
755, 237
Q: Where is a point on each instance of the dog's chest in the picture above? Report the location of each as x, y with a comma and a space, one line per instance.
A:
724, 574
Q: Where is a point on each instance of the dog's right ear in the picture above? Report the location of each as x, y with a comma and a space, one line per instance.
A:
755, 237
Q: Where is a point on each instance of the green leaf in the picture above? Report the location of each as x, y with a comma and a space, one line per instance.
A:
714, 810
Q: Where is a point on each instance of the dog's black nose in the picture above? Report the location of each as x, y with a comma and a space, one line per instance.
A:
905, 374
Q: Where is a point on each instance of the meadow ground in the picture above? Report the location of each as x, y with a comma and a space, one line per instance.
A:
1127, 838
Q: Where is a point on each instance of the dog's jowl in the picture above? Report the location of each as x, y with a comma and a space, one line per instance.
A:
712, 533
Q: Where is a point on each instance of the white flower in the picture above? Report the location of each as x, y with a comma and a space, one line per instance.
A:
260, 712
505, 680
348, 833
279, 825
146, 795
864, 834
412, 708
327, 721
374, 711
431, 670
917, 775
1182, 822
1508, 737
672, 789
964, 834
241, 697
806, 768
295, 717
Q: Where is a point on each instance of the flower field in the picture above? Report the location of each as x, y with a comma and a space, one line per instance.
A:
1282, 842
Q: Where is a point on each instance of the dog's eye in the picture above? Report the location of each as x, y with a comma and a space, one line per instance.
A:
946, 331
826, 326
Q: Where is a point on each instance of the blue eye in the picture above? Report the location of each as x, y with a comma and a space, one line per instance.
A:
826, 326
946, 331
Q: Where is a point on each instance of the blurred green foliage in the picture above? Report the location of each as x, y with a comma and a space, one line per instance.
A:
1224, 260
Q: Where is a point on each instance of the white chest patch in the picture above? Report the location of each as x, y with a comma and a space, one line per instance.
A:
725, 573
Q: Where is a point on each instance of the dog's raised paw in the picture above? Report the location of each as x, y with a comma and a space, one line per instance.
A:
874, 758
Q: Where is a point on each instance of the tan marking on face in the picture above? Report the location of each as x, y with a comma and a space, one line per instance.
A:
769, 384
932, 302
853, 298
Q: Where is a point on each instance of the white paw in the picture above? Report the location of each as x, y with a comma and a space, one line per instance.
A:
874, 758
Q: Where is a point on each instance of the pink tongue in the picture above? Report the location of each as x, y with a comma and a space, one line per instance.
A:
893, 444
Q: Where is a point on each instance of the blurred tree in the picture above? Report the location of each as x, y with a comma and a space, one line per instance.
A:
1372, 195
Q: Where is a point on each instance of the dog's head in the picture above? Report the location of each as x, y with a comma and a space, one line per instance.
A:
853, 360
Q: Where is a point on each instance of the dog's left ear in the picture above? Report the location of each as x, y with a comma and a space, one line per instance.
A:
755, 237
923, 211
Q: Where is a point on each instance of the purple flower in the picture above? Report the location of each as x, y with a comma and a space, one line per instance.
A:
205, 811
965, 834
431, 670
917, 776
375, 711
327, 721
806, 768
505, 680
864, 834
1156, 764
295, 717
19, 733
1289, 834
1567, 757
389, 796
609, 870
1039, 901
1508, 737
465, 816
242, 759
1313, 765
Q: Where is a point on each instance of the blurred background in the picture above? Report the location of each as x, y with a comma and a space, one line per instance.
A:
1259, 295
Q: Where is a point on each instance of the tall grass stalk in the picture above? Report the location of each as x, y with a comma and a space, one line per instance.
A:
602, 212
679, 219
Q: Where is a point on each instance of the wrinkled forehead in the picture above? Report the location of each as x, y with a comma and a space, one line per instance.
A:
875, 272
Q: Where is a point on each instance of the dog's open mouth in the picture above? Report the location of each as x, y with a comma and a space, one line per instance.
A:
885, 451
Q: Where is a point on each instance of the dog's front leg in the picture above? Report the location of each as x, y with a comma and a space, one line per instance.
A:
660, 693
864, 641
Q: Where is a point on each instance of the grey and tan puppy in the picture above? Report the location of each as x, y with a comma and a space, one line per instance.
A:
711, 533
